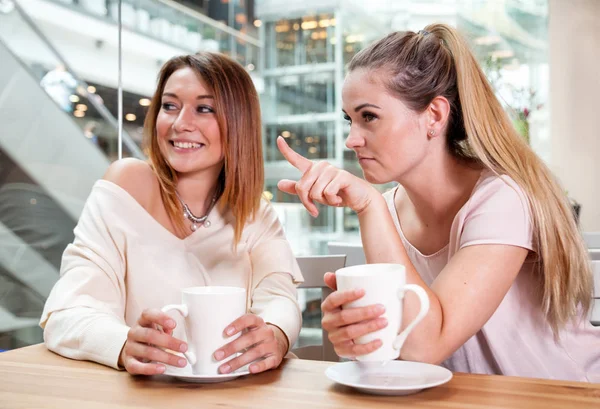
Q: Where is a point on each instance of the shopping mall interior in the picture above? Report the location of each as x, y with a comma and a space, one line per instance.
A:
77, 76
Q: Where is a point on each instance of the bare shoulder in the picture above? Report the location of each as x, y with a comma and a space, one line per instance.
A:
136, 177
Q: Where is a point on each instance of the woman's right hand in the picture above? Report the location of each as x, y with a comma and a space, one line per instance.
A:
143, 352
324, 183
344, 326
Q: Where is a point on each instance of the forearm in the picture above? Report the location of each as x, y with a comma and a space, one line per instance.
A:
275, 301
84, 334
382, 244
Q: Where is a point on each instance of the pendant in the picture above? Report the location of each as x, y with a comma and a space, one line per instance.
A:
194, 227
207, 223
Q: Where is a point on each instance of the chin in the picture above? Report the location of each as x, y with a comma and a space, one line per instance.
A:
375, 179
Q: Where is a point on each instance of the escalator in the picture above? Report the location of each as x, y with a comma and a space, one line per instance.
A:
57, 136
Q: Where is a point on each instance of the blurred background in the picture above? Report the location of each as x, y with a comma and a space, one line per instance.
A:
59, 66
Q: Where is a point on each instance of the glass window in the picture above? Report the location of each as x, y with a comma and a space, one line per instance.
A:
306, 40
313, 140
299, 94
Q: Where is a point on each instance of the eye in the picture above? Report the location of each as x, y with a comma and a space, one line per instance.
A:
204, 109
347, 118
167, 106
368, 117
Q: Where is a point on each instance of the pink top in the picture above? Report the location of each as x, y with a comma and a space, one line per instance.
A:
516, 340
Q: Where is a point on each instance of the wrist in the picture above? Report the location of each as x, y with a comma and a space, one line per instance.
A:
374, 200
121, 361
282, 340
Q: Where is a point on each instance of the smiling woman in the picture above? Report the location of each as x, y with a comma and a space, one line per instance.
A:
224, 104
193, 212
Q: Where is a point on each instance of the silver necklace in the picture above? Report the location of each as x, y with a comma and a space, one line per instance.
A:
196, 221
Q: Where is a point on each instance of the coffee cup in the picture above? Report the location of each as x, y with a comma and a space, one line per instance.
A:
207, 311
383, 284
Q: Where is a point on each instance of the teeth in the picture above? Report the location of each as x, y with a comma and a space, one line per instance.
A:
186, 145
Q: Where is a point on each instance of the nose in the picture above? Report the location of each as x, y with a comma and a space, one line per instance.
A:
185, 121
354, 139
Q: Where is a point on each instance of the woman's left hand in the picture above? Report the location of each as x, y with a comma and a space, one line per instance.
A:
261, 341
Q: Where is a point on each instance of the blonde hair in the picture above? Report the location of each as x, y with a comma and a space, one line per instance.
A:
438, 62
237, 108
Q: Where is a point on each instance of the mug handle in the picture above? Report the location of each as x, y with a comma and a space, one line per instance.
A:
183, 310
424, 301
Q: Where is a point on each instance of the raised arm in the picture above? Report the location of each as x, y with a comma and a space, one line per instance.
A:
478, 275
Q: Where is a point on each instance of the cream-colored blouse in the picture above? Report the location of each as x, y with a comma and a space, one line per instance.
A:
123, 261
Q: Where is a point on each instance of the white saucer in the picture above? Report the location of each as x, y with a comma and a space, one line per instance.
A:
187, 376
391, 378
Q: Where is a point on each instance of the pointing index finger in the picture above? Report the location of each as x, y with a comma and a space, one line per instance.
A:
297, 160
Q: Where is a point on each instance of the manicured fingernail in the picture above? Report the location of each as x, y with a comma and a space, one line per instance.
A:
358, 291
382, 322
160, 369
183, 348
170, 323
230, 331
225, 368
219, 355
379, 309
253, 368
182, 362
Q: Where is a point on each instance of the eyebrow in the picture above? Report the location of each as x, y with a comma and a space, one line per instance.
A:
170, 94
365, 105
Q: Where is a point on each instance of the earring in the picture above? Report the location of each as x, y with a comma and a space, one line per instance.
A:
431, 132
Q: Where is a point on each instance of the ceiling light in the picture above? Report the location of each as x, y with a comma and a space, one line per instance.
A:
309, 25
74, 98
144, 102
91, 89
357, 38
130, 117
324, 23
81, 107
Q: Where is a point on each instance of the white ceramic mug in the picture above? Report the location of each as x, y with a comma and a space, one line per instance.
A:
383, 284
207, 312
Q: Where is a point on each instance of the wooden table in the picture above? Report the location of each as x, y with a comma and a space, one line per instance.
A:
36, 378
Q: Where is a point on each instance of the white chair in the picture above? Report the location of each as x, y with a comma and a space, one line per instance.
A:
353, 251
592, 239
313, 269
595, 315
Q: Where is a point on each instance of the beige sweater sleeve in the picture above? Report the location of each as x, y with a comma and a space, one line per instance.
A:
275, 274
84, 315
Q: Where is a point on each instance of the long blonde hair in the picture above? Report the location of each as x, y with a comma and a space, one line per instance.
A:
241, 181
438, 62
